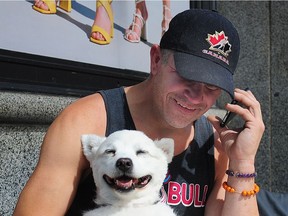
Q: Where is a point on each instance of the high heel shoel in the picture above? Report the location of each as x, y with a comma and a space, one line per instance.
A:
166, 19
95, 28
131, 34
131, 30
51, 4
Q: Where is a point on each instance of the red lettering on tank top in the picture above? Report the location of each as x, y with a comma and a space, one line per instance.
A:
186, 194
197, 196
174, 193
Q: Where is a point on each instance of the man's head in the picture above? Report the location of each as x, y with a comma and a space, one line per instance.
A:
206, 47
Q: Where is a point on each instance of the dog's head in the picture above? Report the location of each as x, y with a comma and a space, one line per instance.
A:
127, 166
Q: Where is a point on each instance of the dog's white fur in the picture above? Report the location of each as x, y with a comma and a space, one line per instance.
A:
144, 157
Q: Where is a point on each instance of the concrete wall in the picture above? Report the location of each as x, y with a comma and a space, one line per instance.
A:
263, 66
24, 119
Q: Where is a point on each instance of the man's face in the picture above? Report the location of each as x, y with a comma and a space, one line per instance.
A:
182, 101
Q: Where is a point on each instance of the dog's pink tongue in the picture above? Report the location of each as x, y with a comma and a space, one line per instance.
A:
124, 183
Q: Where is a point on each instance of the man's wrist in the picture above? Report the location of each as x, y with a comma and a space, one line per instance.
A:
243, 166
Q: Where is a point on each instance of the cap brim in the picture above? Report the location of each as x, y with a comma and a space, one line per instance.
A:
199, 69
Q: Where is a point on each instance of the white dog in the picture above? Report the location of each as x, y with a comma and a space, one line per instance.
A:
129, 170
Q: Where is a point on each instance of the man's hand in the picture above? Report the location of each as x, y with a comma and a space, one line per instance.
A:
241, 144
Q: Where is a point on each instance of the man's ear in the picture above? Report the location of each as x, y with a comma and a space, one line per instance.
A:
155, 59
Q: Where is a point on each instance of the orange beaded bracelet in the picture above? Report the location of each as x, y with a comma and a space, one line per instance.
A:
243, 193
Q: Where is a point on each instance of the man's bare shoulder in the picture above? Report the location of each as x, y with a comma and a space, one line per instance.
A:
85, 116
88, 104
88, 112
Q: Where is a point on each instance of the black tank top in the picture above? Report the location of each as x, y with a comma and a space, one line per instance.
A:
190, 178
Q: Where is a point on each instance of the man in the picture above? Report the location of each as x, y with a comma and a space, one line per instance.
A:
196, 59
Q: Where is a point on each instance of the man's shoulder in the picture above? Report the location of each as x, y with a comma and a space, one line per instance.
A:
87, 103
85, 111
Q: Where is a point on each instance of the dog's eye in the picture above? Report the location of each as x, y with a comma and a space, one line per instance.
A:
141, 152
110, 151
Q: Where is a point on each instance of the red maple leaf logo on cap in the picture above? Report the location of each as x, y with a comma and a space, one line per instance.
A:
219, 42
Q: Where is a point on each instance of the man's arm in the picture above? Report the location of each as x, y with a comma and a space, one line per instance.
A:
52, 186
239, 147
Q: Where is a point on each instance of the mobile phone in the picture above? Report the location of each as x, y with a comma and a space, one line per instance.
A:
230, 115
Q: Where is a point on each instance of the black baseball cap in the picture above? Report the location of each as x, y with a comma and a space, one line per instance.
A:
206, 47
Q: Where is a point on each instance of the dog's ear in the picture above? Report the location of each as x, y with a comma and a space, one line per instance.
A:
167, 146
91, 143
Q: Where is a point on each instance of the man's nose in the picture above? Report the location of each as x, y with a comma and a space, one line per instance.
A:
195, 91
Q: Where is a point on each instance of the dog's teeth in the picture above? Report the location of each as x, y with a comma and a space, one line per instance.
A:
124, 184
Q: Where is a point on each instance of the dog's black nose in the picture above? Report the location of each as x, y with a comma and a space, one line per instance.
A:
124, 164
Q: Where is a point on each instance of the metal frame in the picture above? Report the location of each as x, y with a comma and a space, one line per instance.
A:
27, 72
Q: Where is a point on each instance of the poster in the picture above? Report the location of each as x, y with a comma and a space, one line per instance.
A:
66, 35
